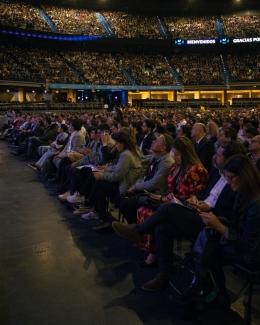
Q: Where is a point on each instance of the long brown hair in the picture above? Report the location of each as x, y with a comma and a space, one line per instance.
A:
188, 154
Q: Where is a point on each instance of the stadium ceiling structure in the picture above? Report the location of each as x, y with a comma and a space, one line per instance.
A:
170, 7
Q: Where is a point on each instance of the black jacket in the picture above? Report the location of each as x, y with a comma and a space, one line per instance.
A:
205, 151
147, 142
225, 201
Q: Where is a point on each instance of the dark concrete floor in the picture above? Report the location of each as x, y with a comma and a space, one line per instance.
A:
54, 269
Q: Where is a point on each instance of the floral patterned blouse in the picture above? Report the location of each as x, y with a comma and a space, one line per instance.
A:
191, 184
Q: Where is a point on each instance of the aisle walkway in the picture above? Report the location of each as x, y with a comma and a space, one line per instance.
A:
55, 270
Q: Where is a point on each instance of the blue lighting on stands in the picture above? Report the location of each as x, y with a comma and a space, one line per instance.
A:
178, 42
76, 38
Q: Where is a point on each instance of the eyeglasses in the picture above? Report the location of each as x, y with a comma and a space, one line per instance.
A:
253, 140
229, 178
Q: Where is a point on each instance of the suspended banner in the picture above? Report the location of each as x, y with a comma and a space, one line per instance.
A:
210, 41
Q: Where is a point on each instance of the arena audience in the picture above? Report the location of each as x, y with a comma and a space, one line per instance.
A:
244, 66
241, 26
21, 15
191, 27
197, 68
127, 25
74, 21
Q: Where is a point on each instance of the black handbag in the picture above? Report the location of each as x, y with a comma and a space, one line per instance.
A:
184, 276
144, 200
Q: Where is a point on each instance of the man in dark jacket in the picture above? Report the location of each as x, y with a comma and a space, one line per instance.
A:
148, 136
37, 130
48, 136
203, 146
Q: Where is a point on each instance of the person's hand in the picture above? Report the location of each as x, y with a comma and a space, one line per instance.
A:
131, 189
97, 175
212, 221
88, 151
149, 151
74, 164
52, 145
200, 205
104, 138
103, 167
81, 150
170, 196
193, 200
203, 207
156, 197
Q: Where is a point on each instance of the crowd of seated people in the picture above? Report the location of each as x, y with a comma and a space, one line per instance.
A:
241, 26
80, 67
127, 25
244, 66
21, 15
124, 24
198, 68
204, 163
191, 27
97, 68
35, 64
147, 69
74, 21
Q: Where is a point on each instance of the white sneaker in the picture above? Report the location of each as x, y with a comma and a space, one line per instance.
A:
63, 197
74, 198
90, 215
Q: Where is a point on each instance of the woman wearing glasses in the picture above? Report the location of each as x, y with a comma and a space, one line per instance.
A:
236, 240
